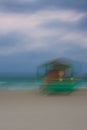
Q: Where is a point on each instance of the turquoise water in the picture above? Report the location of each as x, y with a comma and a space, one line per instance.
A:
14, 83
26, 82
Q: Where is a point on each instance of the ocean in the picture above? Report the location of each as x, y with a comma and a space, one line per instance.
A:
25, 82
18, 82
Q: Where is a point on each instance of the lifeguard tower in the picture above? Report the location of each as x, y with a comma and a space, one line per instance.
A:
58, 76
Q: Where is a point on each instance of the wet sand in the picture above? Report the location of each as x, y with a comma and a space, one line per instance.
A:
29, 110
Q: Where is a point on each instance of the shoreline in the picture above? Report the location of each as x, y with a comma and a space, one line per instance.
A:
35, 89
37, 92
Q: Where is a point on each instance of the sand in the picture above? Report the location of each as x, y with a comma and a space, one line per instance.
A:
29, 110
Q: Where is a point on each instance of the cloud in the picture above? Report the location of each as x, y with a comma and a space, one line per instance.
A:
33, 35
27, 6
20, 6
11, 22
18, 1
23, 1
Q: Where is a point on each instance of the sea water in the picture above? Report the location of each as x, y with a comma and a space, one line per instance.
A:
26, 82
19, 82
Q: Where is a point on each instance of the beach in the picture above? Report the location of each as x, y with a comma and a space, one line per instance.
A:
30, 110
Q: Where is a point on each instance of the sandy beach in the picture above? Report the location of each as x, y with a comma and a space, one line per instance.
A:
30, 110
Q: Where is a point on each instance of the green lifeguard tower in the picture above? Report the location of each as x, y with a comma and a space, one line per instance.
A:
58, 76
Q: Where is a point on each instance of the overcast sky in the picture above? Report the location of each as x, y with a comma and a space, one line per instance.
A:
34, 31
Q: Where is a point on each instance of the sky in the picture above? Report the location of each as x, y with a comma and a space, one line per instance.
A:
35, 31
